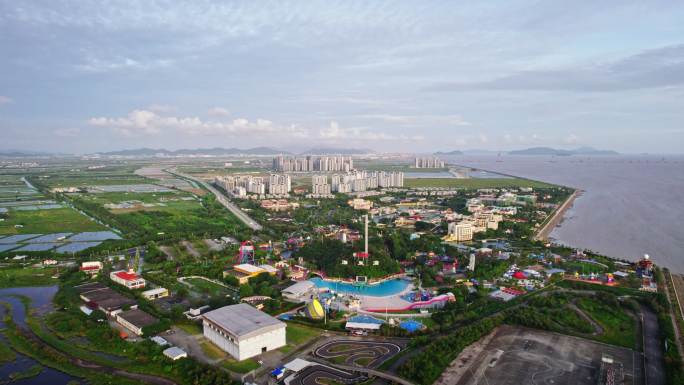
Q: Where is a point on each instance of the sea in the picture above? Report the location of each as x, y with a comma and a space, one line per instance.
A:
630, 206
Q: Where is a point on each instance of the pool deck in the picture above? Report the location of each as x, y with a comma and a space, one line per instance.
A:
393, 301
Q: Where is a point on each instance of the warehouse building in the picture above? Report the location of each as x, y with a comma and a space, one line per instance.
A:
135, 320
243, 331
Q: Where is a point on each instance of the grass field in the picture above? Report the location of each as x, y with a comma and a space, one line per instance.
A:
475, 183
297, 335
47, 221
619, 328
6, 354
29, 276
212, 351
243, 366
206, 287
83, 180
171, 201
190, 328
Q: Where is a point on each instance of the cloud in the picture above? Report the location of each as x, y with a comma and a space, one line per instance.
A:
334, 133
160, 108
571, 139
100, 65
218, 111
656, 68
420, 120
68, 132
149, 123
5, 99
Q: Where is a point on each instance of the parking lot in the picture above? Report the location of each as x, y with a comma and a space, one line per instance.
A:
525, 356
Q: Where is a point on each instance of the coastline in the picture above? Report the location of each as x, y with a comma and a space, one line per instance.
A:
544, 232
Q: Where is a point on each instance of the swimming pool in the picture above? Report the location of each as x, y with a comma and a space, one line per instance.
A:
382, 289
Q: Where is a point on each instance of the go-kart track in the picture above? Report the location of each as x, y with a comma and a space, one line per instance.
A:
349, 354
357, 353
317, 374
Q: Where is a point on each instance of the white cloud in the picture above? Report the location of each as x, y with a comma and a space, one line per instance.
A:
145, 122
334, 132
5, 99
98, 65
571, 139
218, 111
160, 108
68, 132
422, 120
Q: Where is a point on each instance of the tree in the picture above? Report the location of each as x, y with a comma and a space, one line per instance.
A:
246, 291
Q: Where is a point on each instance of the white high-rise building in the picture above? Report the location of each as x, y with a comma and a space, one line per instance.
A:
311, 163
279, 184
363, 180
428, 162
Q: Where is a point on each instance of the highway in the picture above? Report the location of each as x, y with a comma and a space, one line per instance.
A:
246, 219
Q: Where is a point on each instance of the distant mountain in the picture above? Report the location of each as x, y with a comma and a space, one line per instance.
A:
593, 151
558, 152
337, 151
454, 152
22, 154
216, 151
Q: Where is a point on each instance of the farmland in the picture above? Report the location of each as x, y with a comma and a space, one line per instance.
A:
47, 221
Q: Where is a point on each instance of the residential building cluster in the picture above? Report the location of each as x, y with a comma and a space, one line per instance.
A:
240, 186
366, 180
428, 162
320, 188
313, 163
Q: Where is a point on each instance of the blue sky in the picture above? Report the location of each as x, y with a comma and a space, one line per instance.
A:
391, 76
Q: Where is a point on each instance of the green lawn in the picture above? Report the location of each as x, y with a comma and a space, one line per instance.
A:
48, 221
475, 183
212, 351
243, 366
190, 328
6, 354
296, 334
206, 287
83, 180
619, 327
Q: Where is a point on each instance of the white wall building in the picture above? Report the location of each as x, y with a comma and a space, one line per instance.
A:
279, 184
243, 331
460, 232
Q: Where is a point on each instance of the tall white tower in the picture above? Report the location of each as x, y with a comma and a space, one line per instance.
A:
471, 263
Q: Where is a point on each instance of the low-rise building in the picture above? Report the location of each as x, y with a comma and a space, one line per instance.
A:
243, 331
135, 320
299, 292
153, 294
128, 279
97, 296
175, 353
92, 267
245, 271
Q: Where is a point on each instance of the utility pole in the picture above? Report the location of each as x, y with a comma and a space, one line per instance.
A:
365, 238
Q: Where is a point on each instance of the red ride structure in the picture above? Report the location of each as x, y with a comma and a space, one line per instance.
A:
245, 253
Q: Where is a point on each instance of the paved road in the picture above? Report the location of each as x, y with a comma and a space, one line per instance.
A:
653, 348
246, 219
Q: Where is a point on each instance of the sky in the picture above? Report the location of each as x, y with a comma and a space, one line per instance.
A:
392, 76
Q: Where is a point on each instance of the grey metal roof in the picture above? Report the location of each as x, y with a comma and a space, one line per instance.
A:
242, 320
